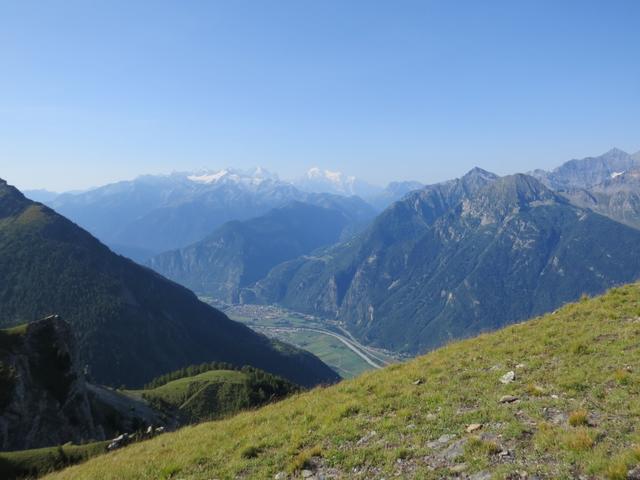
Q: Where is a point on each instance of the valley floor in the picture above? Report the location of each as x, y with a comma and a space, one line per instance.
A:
324, 338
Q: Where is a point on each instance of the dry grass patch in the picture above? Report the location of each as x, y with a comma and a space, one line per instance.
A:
477, 447
579, 440
622, 376
302, 460
535, 390
579, 418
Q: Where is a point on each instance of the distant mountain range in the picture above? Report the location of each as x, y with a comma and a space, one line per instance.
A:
41, 195
131, 323
589, 172
392, 193
618, 197
325, 181
608, 184
440, 262
240, 253
455, 259
154, 214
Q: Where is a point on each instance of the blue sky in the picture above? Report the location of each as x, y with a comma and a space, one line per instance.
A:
95, 91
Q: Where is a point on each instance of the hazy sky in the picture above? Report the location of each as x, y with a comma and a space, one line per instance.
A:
93, 91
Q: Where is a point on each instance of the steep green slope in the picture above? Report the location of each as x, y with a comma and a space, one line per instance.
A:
240, 253
455, 260
40, 461
131, 323
216, 393
570, 411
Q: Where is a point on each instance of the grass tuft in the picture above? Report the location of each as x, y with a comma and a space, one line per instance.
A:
302, 460
579, 418
580, 349
579, 440
616, 470
477, 447
535, 390
250, 452
170, 471
622, 377
403, 453
349, 411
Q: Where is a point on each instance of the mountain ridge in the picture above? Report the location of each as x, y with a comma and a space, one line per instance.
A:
131, 323
588, 172
153, 214
239, 253
617, 198
455, 259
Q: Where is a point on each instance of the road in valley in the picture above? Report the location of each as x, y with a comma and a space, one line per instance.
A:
354, 346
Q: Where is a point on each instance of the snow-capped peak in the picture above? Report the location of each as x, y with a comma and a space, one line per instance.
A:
322, 180
249, 177
208, 178
337, 178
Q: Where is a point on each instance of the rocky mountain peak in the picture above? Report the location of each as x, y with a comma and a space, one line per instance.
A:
523, 189
508, 195
251, 177
615, 153
11, 199
588, 172
477, 172
476, 179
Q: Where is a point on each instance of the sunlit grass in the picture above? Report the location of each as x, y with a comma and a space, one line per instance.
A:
576, 413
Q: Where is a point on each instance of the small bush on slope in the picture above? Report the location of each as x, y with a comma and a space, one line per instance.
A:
418, 429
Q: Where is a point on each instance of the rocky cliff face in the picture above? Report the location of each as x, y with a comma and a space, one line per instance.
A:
44, 396
45, 400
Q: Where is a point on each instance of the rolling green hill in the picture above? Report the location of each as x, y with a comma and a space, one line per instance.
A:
216, 393
569, 410
131, 323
